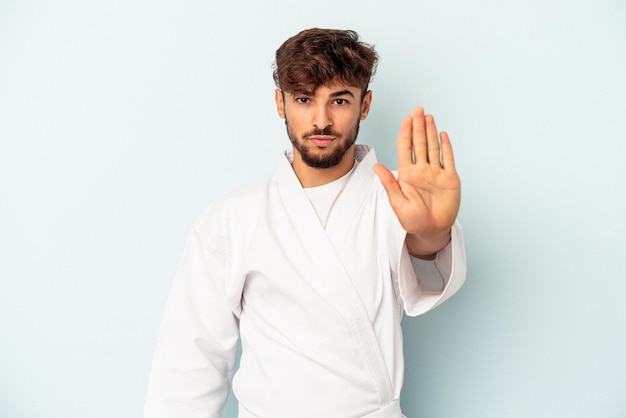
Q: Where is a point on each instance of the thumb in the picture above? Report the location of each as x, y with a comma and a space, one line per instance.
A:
391, 185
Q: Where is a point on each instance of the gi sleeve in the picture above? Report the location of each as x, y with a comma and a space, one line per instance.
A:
197, 344
423, 285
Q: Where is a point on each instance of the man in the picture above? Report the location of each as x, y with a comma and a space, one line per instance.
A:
313, 265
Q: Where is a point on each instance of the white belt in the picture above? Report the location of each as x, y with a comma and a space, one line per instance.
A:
390, 411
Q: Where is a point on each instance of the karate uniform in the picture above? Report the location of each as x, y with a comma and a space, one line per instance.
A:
318, 307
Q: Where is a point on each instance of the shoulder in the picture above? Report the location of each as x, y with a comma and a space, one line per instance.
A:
236, 207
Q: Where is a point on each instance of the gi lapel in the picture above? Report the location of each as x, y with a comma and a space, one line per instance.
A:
352, 197
333, 280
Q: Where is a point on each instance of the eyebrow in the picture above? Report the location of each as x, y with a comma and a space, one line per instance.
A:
342, 93
335, 94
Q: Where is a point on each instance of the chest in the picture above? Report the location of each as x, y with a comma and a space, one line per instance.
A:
299, 273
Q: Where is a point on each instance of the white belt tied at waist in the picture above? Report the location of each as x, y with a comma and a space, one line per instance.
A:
390, 411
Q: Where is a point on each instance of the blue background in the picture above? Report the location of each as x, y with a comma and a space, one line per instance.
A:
120, 121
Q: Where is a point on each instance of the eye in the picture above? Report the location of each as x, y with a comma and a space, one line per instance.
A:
303, 100
341, 102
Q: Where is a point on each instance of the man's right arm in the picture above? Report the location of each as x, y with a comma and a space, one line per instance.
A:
197, 344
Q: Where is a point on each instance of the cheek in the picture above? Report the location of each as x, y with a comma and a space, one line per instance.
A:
293, 129
295, 120
351, 122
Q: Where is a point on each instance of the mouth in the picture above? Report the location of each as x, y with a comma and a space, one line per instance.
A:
321, 140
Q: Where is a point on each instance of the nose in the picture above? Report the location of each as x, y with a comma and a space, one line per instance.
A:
322, 117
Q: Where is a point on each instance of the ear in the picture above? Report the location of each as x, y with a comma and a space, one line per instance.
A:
365, 104
280, 103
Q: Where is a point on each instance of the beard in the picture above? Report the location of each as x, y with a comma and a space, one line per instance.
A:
324, 158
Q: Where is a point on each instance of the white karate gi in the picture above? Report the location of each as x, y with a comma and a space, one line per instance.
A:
318, 310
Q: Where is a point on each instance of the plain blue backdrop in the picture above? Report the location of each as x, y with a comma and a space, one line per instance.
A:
120, 121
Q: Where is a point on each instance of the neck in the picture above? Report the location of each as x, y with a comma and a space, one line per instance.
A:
313, 177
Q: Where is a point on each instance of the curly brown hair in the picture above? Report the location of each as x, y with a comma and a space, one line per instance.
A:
318, 57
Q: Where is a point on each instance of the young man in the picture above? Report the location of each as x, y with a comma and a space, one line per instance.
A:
313, 265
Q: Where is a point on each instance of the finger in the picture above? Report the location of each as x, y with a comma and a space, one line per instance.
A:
405, 144
434, 152
391, 185
420, 145
447, 153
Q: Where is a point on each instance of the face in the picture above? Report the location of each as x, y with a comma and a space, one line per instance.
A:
323, 125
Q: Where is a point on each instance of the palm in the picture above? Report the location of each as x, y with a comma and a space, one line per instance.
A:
430, 198
427, 192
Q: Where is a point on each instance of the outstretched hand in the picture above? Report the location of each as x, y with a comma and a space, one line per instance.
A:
427, 192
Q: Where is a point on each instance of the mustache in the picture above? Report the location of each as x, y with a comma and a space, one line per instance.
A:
327, 131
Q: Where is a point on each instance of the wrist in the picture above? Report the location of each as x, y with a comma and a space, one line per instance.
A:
426, 246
